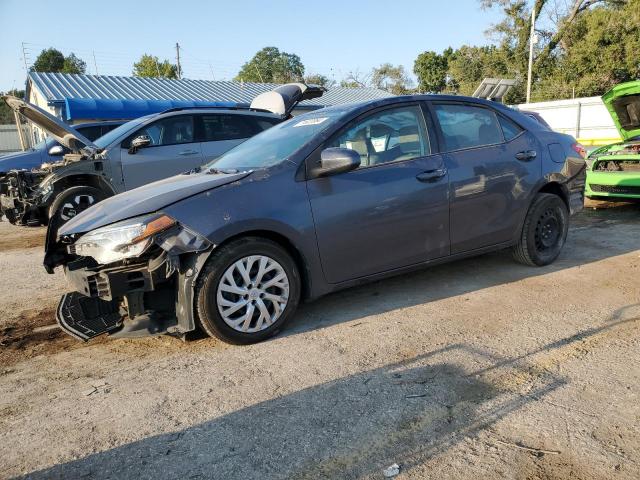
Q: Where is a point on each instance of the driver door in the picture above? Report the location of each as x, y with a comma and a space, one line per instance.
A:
173, 150
391, 212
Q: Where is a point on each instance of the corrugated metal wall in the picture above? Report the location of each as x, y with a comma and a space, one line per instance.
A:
9, 139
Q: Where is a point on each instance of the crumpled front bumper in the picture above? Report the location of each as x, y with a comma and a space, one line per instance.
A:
103, 300
147, 296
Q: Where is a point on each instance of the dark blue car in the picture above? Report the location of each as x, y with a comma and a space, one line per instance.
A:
324, 201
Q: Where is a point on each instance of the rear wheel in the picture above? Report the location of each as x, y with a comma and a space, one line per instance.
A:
247, 291
544, 231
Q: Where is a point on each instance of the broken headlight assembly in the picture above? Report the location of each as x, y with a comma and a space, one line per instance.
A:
122, 240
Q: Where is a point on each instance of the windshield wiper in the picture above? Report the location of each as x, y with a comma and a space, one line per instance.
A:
215, 171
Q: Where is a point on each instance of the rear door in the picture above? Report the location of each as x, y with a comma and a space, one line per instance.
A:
492, 170
173, 149
392, 211
221, 132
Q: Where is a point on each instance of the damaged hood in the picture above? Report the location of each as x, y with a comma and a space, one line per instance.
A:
623, 103
283, 99
146, 199
63, 133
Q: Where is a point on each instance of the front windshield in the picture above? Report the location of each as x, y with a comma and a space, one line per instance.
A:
108, 138
276, 144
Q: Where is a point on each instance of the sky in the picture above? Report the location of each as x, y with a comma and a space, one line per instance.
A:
217, 37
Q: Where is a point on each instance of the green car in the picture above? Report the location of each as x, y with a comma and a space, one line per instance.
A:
614, 170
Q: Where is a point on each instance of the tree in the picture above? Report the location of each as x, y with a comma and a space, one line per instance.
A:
52, 60
270, 65
355, 79
431, 69
150, 66
468, 66
319, 79
600, 49
392, 79
73, 64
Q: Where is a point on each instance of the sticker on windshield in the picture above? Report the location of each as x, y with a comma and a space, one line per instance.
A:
311, 121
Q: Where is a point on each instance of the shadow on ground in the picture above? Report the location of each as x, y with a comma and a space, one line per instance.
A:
405, 412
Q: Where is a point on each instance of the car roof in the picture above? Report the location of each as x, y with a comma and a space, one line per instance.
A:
354, 109
350, 107
97, 124
225, 110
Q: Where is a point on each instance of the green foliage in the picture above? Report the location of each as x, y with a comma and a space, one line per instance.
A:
590, 46
73, 64
318, 79
52, 60
6, 114
392, 79
150, 66
270, 65
602, 49
431, 69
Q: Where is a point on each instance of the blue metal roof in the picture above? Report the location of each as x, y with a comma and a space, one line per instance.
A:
76, 108
63, 89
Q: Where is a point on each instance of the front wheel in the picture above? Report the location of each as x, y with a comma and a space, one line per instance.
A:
544, 231
247, 291
69, 203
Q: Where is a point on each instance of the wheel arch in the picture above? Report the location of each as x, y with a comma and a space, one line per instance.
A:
288, 245
555, 188
82, 180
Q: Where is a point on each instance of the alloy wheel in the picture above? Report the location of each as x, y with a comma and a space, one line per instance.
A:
252, 293
75, 205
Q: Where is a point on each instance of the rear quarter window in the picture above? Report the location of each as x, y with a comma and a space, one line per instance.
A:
467, 126
509, 129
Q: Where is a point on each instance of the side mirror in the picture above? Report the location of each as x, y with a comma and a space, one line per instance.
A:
337, 160
139, 142
56, 151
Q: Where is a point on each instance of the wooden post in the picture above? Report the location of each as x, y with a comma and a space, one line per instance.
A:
23, 143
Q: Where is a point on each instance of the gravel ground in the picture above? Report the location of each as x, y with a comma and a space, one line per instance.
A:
478, 369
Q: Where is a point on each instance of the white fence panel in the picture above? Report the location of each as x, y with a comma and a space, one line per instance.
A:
10, 140
586, 118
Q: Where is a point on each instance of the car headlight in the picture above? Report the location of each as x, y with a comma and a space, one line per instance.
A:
126, 239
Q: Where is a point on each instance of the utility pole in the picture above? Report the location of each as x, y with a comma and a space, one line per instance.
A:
95, 64
178, 60
532, 36
24, 57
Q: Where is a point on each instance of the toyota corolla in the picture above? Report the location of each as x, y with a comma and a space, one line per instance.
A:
323, 201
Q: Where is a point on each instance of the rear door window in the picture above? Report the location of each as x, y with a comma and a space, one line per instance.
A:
220, 127
468, 126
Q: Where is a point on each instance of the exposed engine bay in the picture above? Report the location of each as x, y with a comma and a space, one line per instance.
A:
23, 197
621, 157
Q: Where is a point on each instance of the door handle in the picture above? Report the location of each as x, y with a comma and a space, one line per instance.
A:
187, 152
432, 175
526, 155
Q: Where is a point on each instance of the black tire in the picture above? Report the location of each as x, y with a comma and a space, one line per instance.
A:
222, 259
544, 231
69, 203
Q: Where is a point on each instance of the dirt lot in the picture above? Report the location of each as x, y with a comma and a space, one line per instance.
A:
477, 369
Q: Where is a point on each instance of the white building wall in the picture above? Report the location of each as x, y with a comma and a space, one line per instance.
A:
586, 118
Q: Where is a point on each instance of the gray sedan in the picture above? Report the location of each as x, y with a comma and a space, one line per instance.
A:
321, 202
